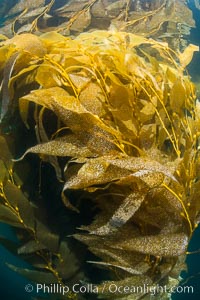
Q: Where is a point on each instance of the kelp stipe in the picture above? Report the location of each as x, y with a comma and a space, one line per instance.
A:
116, 116
169, 20
40, 246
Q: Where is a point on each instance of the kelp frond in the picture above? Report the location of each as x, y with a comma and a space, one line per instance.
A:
116, 115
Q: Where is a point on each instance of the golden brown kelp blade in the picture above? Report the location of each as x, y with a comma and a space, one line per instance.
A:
167, 20
39, 245
5, 97
117, 117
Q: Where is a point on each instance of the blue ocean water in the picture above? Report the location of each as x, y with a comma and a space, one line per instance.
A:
12, 285
192, 277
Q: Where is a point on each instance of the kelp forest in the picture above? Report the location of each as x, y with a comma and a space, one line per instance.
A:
99, 142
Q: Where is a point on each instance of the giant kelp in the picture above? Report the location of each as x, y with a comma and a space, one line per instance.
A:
116, 116
41, 247
169, 20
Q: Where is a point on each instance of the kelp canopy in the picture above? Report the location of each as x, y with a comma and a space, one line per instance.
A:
169, 20
116, 116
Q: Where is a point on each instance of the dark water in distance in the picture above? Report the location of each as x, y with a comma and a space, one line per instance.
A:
12, 285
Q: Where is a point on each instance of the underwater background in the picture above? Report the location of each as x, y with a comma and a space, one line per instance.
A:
12, 284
